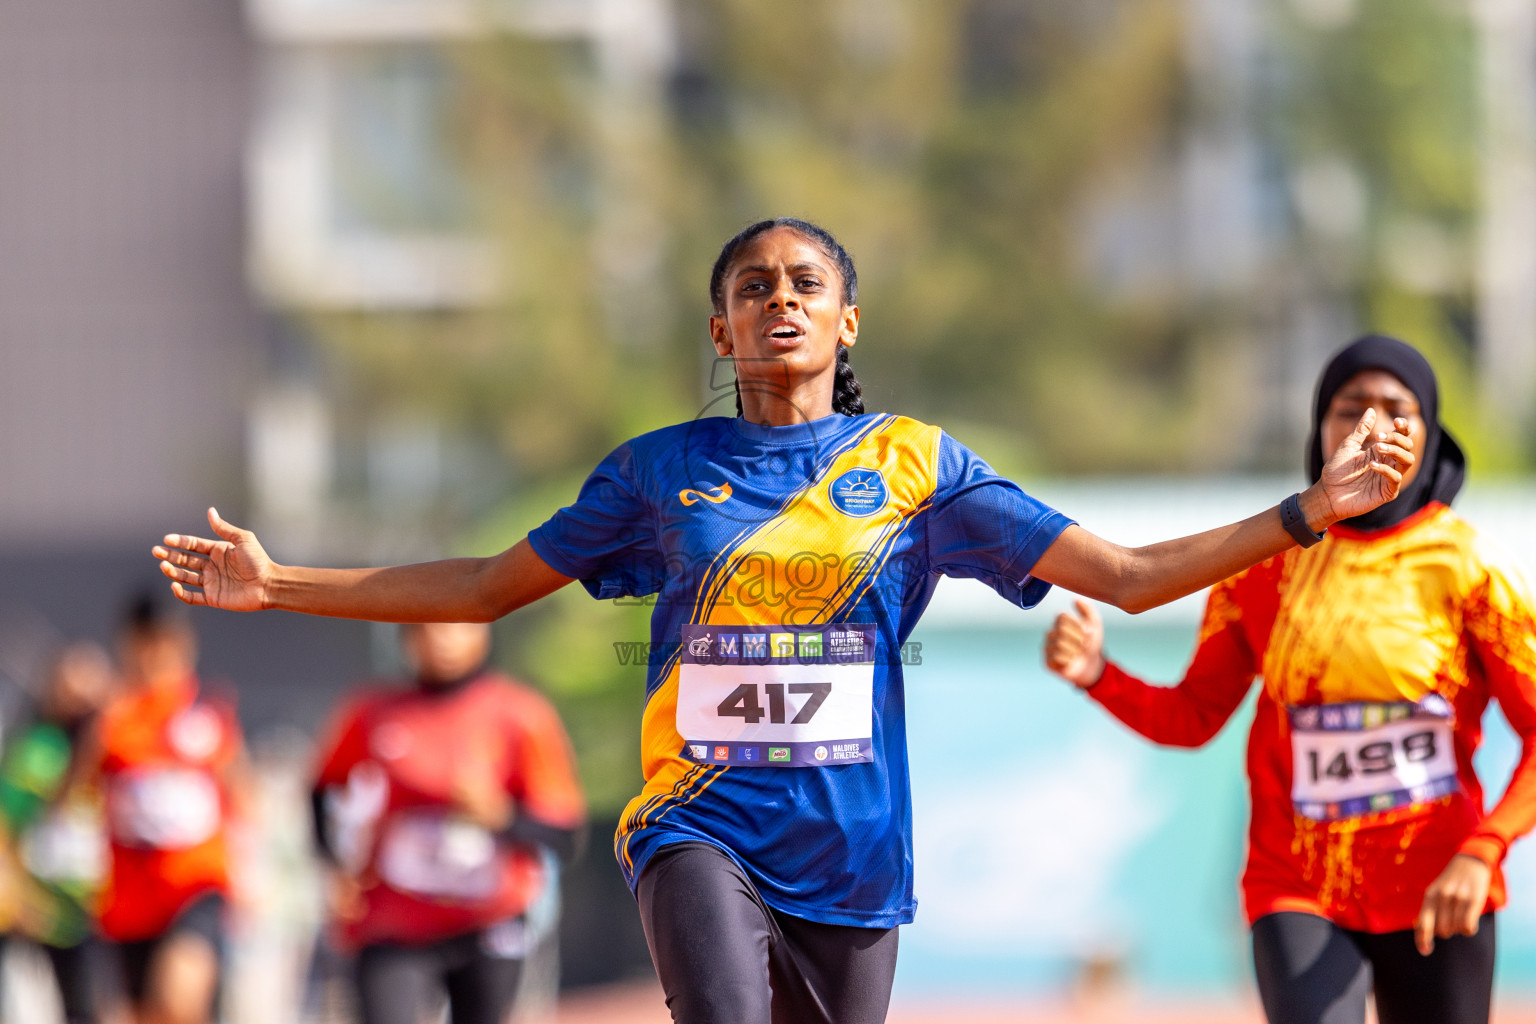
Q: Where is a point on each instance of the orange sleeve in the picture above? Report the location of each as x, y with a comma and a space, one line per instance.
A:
1218, 677
1503, 634
544, 782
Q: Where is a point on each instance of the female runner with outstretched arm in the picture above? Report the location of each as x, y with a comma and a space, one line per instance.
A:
791, 551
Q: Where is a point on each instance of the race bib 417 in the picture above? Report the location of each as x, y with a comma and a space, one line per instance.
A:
777, 696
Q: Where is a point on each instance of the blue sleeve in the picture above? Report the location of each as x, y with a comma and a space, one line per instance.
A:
607, 539
984, 527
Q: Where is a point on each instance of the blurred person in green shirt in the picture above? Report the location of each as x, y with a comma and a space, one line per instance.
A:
53, 854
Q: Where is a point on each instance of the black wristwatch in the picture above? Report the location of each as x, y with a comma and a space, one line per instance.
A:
1295, 523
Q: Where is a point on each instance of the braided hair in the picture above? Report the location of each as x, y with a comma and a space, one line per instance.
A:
847, 395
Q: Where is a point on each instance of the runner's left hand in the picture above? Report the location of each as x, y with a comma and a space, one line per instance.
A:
1365, 471
1454, 902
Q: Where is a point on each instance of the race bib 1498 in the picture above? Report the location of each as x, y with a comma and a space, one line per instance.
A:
777, 696
1360, 758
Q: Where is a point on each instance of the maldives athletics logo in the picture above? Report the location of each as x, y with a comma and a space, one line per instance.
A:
859, 492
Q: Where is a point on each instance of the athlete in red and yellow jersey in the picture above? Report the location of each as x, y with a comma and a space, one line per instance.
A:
1380, 648
166, 759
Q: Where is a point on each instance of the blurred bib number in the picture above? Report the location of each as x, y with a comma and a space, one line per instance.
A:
67, 846
164, 808
430, 853
777, 696
1353, 759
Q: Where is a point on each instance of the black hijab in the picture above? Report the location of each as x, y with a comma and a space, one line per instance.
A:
1442, 466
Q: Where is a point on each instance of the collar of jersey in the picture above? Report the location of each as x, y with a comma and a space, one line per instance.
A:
1423, 515
815, 431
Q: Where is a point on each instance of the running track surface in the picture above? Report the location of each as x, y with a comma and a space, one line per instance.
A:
642, 1004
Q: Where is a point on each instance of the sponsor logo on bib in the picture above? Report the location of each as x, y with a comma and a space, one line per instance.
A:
859, 492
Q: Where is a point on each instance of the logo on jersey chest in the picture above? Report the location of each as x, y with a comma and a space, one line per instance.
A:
713, 495
859, 492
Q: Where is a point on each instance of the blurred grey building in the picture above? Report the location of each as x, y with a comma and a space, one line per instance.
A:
130, 345
128, 340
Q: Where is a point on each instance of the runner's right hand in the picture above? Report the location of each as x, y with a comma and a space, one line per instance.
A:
1074, 648
233, 572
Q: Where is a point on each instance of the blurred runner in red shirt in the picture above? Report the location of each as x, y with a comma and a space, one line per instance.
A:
432, 801
166, 758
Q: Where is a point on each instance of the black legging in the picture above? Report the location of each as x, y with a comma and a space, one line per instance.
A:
398, 984
726, 957
1311, 971
77, 969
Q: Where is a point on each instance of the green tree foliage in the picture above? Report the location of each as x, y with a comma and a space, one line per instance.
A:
1390, 93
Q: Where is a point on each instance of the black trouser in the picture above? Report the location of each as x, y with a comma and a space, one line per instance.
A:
1311, 971
398, 984
726, 957
203, 917
77, 970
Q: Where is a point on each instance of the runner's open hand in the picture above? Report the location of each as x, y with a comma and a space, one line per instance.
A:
233, 572
1367, 469
1454, 902
1074, 648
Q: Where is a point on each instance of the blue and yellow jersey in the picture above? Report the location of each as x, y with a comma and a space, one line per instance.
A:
840, 521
